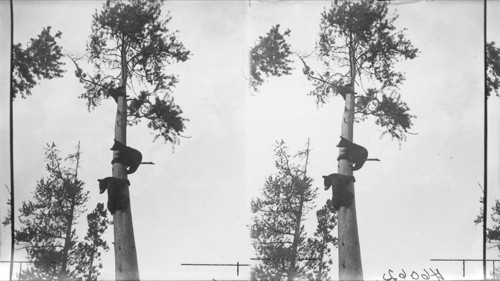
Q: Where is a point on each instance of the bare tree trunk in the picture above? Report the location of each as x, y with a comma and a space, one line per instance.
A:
319, 275
126, 267
350, 267
292, 272
67, 239
70, 218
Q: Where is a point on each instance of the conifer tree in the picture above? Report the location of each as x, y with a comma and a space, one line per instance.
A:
492, 86
129, 50
280, 239
47, 224
492, 69
270, 56
89, 250
358, 47
320, 246
492, 233
39, 59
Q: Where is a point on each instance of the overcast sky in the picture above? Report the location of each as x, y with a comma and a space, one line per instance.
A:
418, 203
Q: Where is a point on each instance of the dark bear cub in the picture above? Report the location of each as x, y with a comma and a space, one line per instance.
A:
340, 196
128, 156
116, 201
354, 153
117, 92
344, 90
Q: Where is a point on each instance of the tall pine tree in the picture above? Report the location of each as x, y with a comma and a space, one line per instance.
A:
358, 47
129, 50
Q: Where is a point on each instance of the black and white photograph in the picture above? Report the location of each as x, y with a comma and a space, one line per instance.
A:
249, 140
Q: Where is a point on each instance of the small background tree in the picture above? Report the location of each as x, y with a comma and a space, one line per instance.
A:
493, 233
280, 239
88, 251
322, 243
47, 225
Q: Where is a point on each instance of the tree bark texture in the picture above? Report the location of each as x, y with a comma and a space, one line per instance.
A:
126, 267
350, 267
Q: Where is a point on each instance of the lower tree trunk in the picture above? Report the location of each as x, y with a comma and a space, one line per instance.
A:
319, 276
292, 271
126, 267
67, 239
350, 267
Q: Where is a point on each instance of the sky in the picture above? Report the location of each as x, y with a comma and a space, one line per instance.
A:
418, 203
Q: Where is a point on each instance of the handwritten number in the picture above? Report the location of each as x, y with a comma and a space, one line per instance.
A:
436, 274
390, 278
425, 275
402, 275
414, 275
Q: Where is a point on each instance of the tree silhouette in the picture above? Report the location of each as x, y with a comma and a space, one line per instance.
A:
89, 250
493, 233
40, 59
280, 240
269, 57
129, 49
47, 230
320, 246
362, 36
492, 69
130, 44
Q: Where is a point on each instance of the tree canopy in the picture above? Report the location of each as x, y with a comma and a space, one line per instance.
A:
40, 59
360, 32
133, 35
492, 69
269, 56
364, 33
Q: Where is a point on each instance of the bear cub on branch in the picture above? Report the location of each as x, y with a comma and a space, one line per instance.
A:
116, 200
117, 92
344, 90
356, 154
340, 195
128, 156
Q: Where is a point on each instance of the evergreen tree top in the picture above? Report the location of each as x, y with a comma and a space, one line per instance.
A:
40, 59
132, 36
